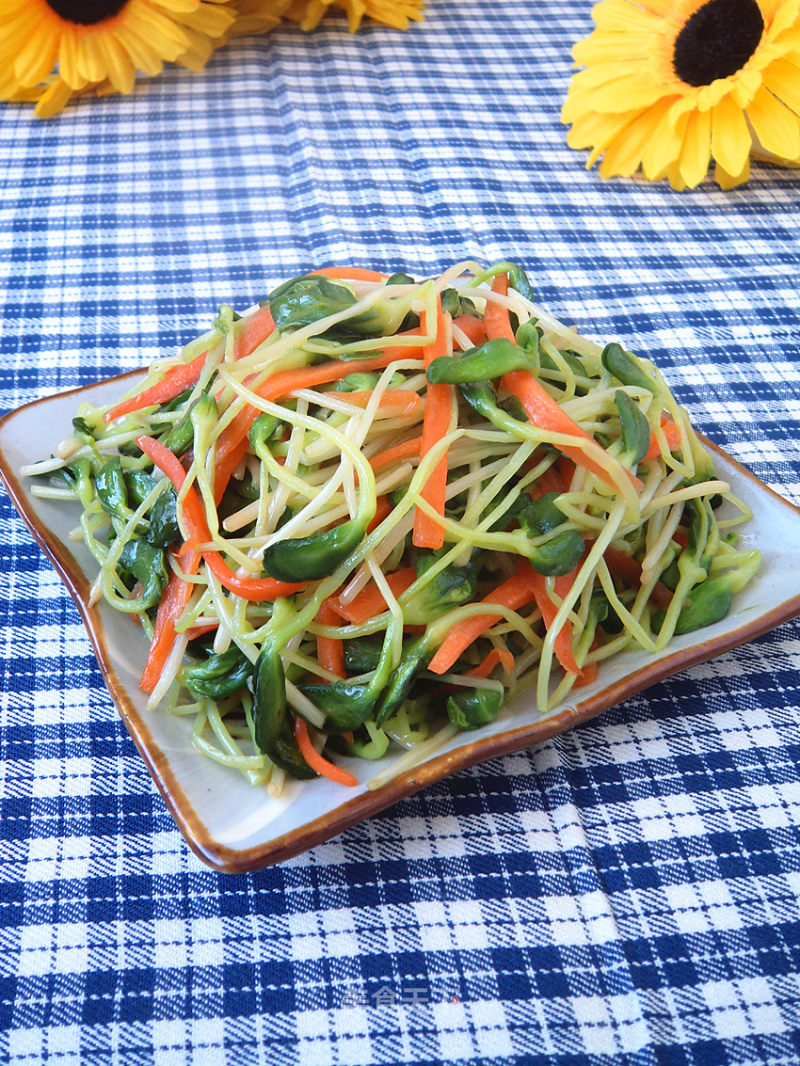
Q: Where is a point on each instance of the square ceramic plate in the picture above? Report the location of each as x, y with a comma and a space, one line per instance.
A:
234, 827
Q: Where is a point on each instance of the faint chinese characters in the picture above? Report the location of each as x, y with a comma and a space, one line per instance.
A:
389, 996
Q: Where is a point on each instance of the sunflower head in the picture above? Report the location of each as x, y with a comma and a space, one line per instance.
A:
52, 50
669, 85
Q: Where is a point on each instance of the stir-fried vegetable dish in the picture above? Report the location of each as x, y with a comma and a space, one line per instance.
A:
365, 514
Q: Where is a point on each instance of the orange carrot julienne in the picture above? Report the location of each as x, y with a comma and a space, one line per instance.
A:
254, 589
544, 412
562, 646
255, 329
409, 449
435, 424
626, 567
232, 443
399, 401
173, 603
318, 762
370, 602
548, 481
176, 380
671, 432
200, 631
473, 326
587, 675
539, 405
495, 656
350, 274
513, 593
330, 651
382, 510
495, 317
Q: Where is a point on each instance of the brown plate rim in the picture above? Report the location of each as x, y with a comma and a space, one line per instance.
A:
230, 860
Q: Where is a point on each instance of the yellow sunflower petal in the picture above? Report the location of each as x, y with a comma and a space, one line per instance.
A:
745, 85
709, 96
675, 176
730, 136
776, 127
256, 16
308, 13
53, 99
166, 35
211, 21
623, 156
626, 92
726, 180
620, 15
197, 54
142, 54
175, 7
37, 57
784, 18
611, 48
783, 79
90, 57
68, 61
596, 131
769, 9
665, 143
659, 7
117, 63
696, 149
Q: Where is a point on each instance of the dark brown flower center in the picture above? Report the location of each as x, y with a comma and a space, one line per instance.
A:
717, 40
86, 12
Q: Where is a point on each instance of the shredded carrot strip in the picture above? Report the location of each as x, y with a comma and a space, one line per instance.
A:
496, 318
539, 405
400, 401
256, 328
587, 675
671, 432
473, 326
179, 378
550, 481
232, 443
562, 646
436, 422
409, 449
318, 762
625, 567
173, 603
350, 274
382, 510
370, 602
330, 651
253, 589
513, 593
199, 631
176, 380
495, 656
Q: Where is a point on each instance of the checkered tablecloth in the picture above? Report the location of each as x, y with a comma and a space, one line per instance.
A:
626, 893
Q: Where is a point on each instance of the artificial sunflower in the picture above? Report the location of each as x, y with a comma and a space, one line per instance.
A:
52, 50
396, 13
255, 16
669, 84
100, 43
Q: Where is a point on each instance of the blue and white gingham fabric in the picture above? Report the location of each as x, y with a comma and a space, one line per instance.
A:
626, 893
